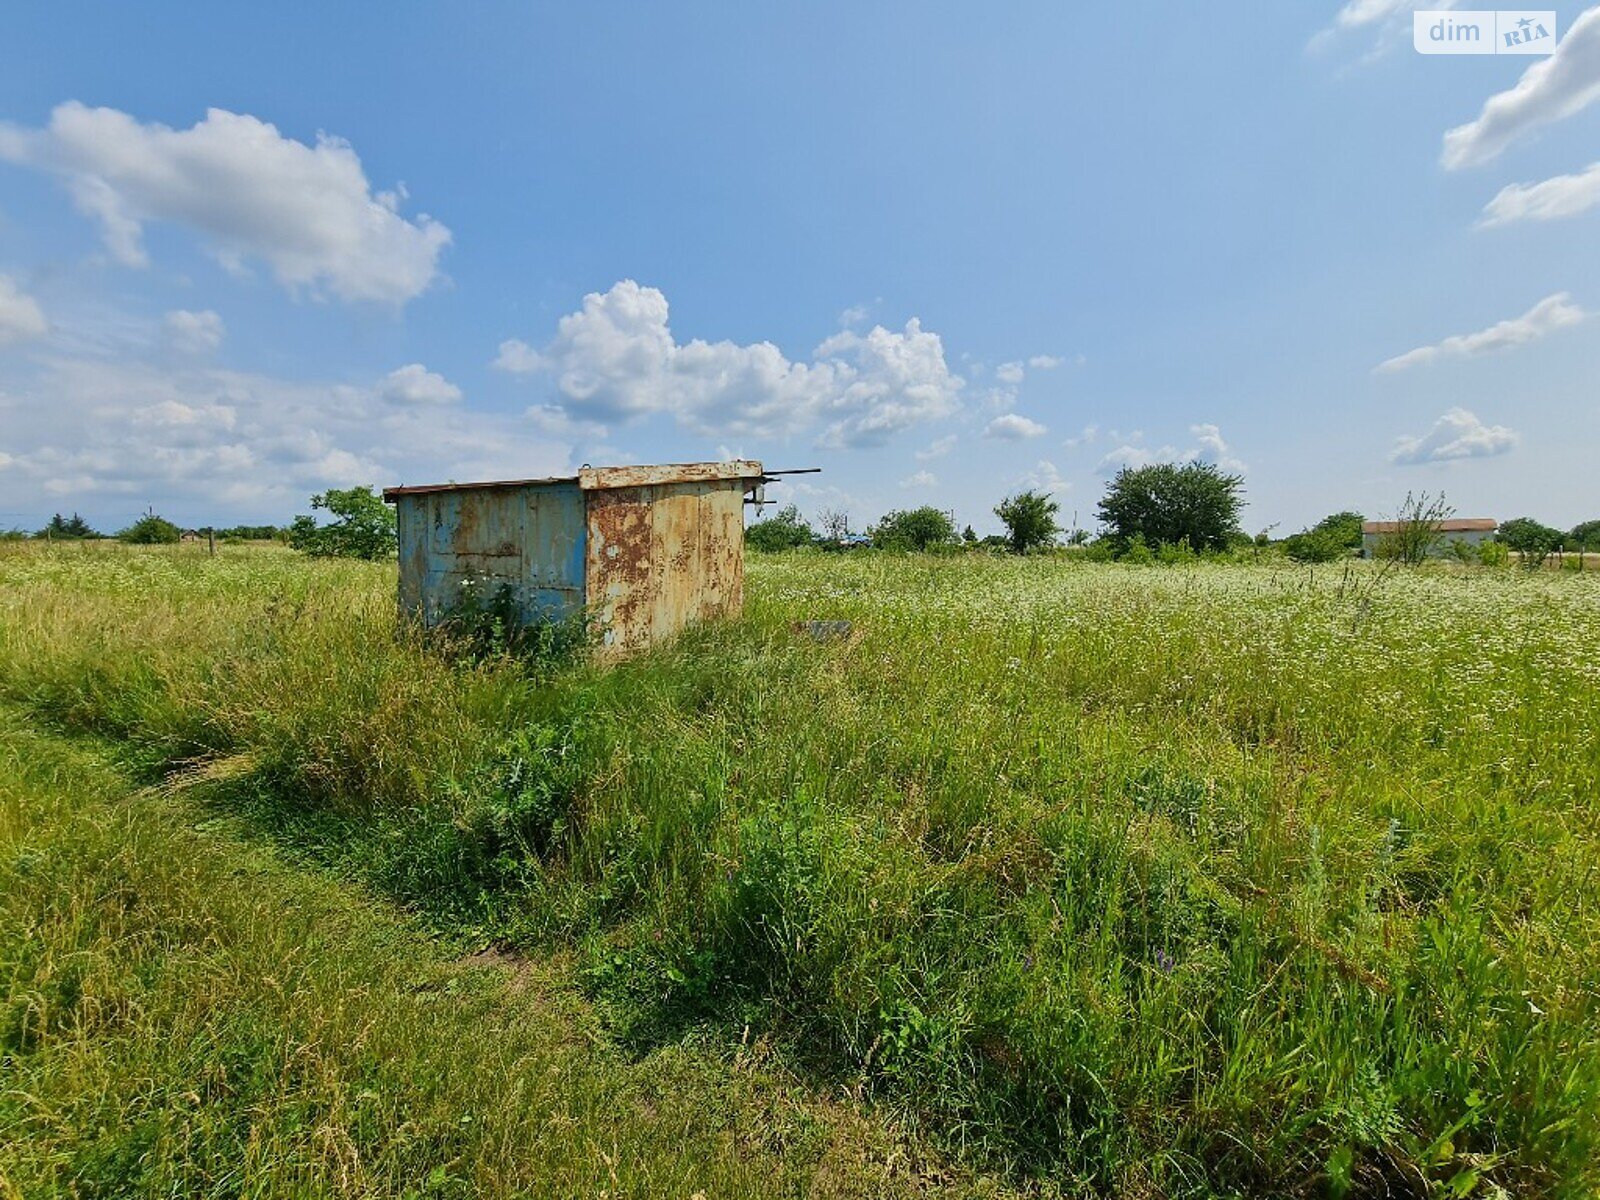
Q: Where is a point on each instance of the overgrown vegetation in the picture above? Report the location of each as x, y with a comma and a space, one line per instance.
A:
913, 529
182, 1014
151, 530
362, 526
1169, 504
1334, 537
1030, 521
1215, 880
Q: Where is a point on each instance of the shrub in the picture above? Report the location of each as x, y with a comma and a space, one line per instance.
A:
913, 529
784, 531
151, 530
1315, 546
1416, 530
363, 526
1030, 520
1533, 541
1493, 554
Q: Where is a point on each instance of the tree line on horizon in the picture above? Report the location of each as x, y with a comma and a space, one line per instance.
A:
1162, 510
1167, 510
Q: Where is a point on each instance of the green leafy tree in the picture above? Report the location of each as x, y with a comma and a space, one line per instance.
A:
1533, 541
913, 529
248, 533
1330, 539
1168, 503
363, 526
71, 528
1585, 536
786, 530
151, 530
1344, 527
1030, 520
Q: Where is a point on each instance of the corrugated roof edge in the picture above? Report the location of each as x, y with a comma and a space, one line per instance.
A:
390, 493
598, 478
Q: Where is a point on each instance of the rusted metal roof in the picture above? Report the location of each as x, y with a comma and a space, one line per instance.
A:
598, 478
1453, 525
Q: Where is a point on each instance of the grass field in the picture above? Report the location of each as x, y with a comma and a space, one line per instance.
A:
1209, 880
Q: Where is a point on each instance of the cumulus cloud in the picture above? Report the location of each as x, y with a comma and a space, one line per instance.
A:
1389, 20
1559, 196
1045, 362
617, 360
1084, 437
1132, 454
308, 212
1550, 314
920, 479
20, 315
1209, 447
193, 332
1045, 478
204, 442
414, 384
1010, 372
1457, 434
1013, 427
1552, 89
937, 448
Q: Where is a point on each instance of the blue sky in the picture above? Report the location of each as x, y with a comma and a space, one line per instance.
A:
941, 254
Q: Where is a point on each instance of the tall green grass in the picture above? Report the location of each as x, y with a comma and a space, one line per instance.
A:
184, 1015
1168, 881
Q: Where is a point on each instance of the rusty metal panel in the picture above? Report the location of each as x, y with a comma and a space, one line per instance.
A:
467, 546
647, 550
593, 478
661, 557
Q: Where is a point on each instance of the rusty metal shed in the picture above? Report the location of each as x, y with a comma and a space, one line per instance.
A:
642, 550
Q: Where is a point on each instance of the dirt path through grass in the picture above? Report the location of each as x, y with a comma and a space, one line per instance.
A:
182, 1013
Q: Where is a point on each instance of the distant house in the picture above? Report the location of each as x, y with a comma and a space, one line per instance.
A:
1470, 530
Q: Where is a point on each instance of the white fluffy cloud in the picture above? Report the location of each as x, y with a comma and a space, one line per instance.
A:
1550, 314
1011, 372
193, 332
920, 479
1045, 478
20, 316
201, 442
1045, 362
1209, 447
415, 385
1013, 427
617, 359
937, 448
1390, 20
1553, 88
308, 212
1549, 200
1457, 434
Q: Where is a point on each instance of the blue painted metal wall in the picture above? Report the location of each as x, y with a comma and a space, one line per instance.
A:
463, 546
